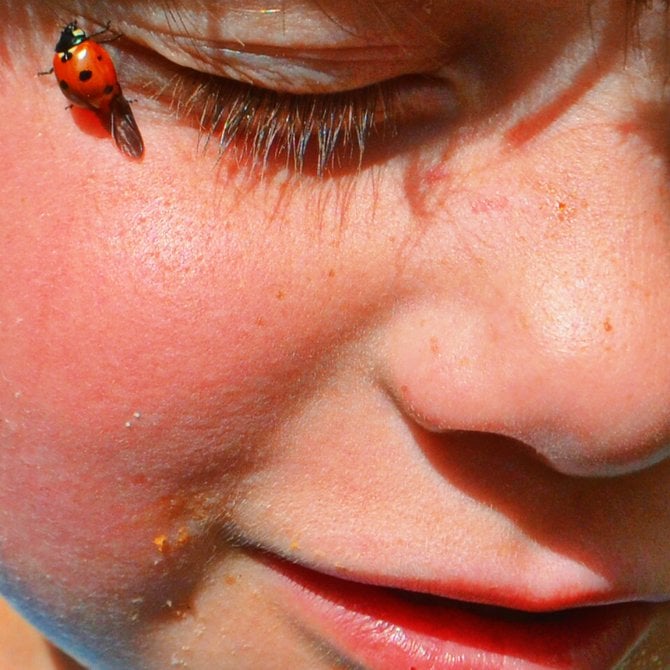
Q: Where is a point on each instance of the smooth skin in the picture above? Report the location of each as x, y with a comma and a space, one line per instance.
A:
449, 368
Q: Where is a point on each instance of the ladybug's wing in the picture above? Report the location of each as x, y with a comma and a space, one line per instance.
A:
124, 128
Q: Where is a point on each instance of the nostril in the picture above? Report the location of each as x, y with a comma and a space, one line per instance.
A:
538, 448
596, 406
600, 458
608, 432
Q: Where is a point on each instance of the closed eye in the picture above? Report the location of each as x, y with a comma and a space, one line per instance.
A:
308, 133
311, 110
319, 133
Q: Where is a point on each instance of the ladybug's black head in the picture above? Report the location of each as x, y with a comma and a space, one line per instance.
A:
71, 36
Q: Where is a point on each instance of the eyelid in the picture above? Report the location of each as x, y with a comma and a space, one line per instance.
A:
308, 109
306, 133
296, 69
298, 47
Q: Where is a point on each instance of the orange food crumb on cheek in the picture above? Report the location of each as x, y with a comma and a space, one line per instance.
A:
166, 544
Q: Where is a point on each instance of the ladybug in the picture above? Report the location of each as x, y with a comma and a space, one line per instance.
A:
87, 77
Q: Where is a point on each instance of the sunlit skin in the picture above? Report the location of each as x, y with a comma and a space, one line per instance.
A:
445, 370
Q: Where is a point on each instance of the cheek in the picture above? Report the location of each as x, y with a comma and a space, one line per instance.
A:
159, 318
147, 335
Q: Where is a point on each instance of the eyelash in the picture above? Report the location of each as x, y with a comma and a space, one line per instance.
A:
311, 132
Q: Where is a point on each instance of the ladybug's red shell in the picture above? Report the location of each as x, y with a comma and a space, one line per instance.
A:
88, 77
85, 71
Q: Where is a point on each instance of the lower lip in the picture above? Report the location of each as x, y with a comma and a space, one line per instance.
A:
384, 629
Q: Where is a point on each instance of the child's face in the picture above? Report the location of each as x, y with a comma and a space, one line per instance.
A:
251, 418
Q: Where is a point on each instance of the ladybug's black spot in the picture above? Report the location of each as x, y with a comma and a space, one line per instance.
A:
99, 57
108, 89
85, 75
63, 85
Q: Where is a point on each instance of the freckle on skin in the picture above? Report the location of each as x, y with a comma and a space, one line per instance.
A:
607, 325
434, 345
280, 295
564, 211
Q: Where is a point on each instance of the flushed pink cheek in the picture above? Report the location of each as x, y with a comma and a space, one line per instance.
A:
139, 361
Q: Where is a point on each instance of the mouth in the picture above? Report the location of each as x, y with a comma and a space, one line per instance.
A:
384, 628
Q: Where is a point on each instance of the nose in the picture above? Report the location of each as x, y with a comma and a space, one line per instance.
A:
567, 351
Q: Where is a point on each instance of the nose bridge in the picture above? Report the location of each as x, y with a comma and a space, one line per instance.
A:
565, 350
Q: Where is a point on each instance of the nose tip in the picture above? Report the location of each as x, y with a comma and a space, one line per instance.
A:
593, 412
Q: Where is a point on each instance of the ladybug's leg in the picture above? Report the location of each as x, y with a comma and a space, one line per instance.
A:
50, 71
106, 29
